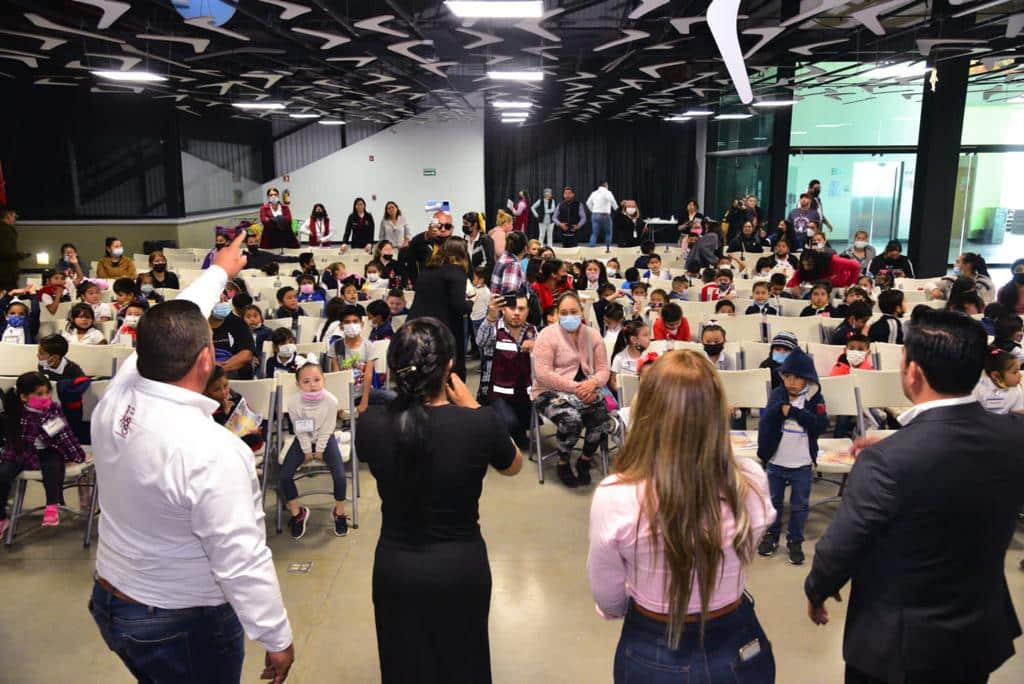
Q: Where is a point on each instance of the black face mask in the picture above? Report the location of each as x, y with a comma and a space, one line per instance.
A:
319, 214
386, 257
713, 349
159, 268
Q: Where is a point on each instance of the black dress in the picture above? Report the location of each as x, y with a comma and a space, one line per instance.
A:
441, 294
431, 577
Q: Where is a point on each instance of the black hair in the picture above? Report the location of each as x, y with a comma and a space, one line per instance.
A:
548, 310
124, 285
724, 273
654, 256
110, 240
483, 273
305, 258
306, 278
333, 311
889, 301
976, 262
614, 312
860, 291
377, 307
27, 383
777, 279
630, 329
271, 269
671, 312
282, 292
961, 301
659, 291
549, 269
602, 274
647, 247
65, 246
998, 361
995, 311
680, 279
814, 182
418, 359
170, 336
858, 310
351, 310
605, 288
818, 262
533, 265
515, 242
396, 292
241, 300
632, 274
54, 345
252, 307
948, 347
312, 211
759, 283
77, 310
1007, 326
722, 303
639, 285
281, 336
858, 337
216, 375
356, 201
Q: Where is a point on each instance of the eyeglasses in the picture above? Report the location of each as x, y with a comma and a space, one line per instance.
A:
445, 226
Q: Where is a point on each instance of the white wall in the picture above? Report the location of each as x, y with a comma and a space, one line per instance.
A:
400, 153
209, 187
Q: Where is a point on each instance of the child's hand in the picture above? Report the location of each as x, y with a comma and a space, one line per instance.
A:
308, 458
785, 410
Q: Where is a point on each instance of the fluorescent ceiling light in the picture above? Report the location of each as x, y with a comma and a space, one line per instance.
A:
798, 132
510, 118
258, 105
513, 104
304, 115
698, 112
130, 76
677, 118
501, 9
331, 122
899, 71
775, 103
829, 125
516, 75
733, 116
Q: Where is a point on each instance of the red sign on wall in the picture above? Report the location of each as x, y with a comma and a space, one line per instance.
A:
371, 157
286, 178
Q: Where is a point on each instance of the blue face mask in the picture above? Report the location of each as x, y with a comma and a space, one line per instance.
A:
956, 271
779, 357
17, 320
569, 323
146, 289
221, 310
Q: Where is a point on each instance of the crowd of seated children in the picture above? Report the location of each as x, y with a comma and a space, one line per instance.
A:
612, 320
16, 323
855, 355
287, 303
352, 352
680, 285
993, 312
632, 342
787, 443
612, 268
999, 389
719, 288
821, 302
253, 318
889, 328
1008, 333
396, 302
37, 437
72, 382
712, 338
130, 314
856, 322
646, 251
284, 357
655, 271
782, 345
380, 318
53, 291
244, 424
725, 307
606, 296
760, 294
313, 414
89, 293
672, 324
81, 326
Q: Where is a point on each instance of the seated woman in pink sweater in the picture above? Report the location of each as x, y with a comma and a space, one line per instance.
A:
672, 533
570, 365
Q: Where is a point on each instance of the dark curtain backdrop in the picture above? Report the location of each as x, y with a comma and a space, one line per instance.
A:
651, 162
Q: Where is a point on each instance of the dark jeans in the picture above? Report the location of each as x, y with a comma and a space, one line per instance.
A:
295, 458
516, 415
845, 425
799, 481
854, 676
735, 649
197, 645
52, 466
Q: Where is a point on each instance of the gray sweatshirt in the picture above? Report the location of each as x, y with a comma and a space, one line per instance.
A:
323, 415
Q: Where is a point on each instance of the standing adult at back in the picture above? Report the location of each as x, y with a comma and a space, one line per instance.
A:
182, 566
8, 250
601, 204
441, 293
924, 524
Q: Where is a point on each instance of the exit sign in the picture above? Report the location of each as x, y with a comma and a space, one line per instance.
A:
429, 172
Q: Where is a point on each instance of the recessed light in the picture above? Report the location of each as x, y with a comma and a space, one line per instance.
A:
258, 105
677, 118
331, 122
733, 116
304, 115
829, 125
514, 118
501, 9
698, 112
775, 103
130, 76
897, 71
513, 104
516, 75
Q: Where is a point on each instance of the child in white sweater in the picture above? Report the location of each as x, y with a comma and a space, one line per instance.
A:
999, 389
314, 413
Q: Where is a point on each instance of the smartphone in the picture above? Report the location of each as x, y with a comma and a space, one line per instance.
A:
510, 300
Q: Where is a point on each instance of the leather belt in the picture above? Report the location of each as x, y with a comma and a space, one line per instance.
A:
113, 590
692, 617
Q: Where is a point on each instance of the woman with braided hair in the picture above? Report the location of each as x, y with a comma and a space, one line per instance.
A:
429, 450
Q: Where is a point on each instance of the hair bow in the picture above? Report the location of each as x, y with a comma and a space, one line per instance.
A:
307, 360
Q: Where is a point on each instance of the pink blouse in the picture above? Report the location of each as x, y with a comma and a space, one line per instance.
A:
621, 565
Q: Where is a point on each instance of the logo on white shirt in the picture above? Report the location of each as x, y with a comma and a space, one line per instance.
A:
125, 423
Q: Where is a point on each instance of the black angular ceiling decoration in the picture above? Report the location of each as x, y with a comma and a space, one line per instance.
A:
390, 60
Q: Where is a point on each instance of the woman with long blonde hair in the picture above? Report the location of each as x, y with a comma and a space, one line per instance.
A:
673, 531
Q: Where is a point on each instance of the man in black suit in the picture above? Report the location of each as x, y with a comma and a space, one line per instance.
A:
925, 522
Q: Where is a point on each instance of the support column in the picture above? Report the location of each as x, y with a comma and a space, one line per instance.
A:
774, 205
938, 150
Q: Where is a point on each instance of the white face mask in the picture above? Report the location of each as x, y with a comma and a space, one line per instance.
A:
351, 329
612, 272
286, 351
856, 356
631, 210
373, 277
860, 244
131, 320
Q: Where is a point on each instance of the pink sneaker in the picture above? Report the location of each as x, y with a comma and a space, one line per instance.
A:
51, 517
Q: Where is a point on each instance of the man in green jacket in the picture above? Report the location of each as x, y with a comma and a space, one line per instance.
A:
8, 250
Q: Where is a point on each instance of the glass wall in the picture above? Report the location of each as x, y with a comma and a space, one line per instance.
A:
988, 216
731, 177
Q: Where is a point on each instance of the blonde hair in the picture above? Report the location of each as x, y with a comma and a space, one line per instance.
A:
503, 218
678, 446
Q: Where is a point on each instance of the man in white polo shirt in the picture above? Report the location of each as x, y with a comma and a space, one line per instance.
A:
182, 567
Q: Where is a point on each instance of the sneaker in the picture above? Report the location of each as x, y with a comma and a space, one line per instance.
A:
566, 476
769, 542
583, 470
298, 523
340, 525
51, 516
796, 554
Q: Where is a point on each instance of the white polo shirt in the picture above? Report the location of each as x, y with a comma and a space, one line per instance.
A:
182, 521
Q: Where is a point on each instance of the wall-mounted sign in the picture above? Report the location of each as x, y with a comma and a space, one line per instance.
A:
429, 172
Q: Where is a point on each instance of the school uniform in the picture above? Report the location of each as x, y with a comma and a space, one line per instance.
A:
72, 382
826, 311
765, 309
842, 333
997, 399
886, 329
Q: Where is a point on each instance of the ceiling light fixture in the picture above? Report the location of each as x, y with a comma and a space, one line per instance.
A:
512, 104
500, 9
509, 117
130, 76
721, 117
331, 122
258, 105
698, 112
798, 132
304, 115
1017, 100
829, 125
775, 103
677, 118
897, 71
516, 75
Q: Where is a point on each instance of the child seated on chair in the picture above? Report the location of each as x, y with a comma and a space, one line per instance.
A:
720, 288
253, 318
284, 357
725, 307
1009, 331
854, 356
124, 294
787, 442
288, 303
380, 318
672, 324
761, 305
612, 321
712, 337
396, 303
72, 382
999, 389
218, 388
54, 291
606, 296
16, 328
81, 326
655, 271
313, 413
352, 352
820, 303
777, 287
680, 285
89, 293
857, 315
889, 328
308, 291
629, 348
352, 295
38, 437
146, 284
129, 327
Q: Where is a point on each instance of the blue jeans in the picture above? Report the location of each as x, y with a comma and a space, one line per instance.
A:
601, 223
799, 481
295, 458
735, 649
203, 645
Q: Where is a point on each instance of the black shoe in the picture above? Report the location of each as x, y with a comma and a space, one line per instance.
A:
566, 476
769, 542
298, 523
340, 526
796, 554
583, 470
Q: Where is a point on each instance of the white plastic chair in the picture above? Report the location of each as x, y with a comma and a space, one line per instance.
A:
261, 397
806, 328
741, 328
312, 309
887, 356
16, 359
628, 386
96, 360
824, 357
877, 389
747, 388
753, 353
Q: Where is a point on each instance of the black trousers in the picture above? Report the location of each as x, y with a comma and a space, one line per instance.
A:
52, 465
854, 676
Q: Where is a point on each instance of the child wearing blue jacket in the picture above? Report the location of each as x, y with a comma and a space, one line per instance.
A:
787, 441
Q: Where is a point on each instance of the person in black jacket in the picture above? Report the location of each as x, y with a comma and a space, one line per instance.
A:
891, 259
359, 227
441, 294
478, 243
924, 524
